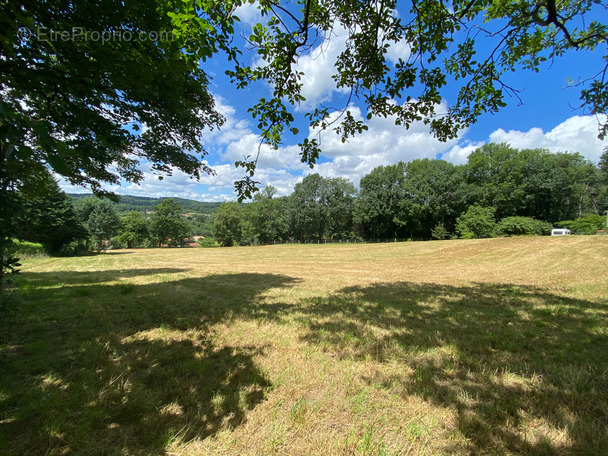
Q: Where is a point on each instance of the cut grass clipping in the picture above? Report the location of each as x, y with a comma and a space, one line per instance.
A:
495, 346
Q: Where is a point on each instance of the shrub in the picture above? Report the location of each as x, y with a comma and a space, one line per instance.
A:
74, 248
208, 242
117, 243
584, 225
9, 263
24, 248
476, 222
518, 226
440, 232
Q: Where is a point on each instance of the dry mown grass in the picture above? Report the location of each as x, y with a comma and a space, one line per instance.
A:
455, 347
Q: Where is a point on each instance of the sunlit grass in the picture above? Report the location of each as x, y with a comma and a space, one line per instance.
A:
451, 347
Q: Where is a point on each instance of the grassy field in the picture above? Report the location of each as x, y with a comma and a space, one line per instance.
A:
495, 346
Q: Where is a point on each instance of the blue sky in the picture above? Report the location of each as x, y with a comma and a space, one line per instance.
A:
547, 117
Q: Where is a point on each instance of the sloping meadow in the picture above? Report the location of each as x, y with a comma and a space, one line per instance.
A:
496, 346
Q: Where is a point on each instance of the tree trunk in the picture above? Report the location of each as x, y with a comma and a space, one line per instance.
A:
581, 199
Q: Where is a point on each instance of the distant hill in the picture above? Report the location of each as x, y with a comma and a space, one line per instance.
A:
141, 203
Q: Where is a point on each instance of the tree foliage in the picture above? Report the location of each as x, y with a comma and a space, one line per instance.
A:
134, 229
100, 220
66, 102
589, 224
36, 210
98, 110
94, 109
439, 232
167, 224
421, 199
518, 226
476, 222
265, 219
227, 225
468, 46
434, 194
379, 201
321, 208
533, 182
47, 216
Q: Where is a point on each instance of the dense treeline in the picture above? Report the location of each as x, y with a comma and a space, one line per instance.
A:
499, 191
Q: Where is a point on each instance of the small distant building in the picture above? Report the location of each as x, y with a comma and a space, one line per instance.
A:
560, 232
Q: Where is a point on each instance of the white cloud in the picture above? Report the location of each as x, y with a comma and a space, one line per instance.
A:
232, 129
218, 187
458, 154
248, 13
318, 86
178, 184
399, 50
235, 140
318, 67
383, 143
576, 134
284, 158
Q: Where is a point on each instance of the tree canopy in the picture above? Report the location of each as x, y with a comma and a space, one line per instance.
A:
93, 107
227, 225
322, 208
125, 85
500, 191
97, 91
466, 45
134, 230
168, 225
48, 217
100, 219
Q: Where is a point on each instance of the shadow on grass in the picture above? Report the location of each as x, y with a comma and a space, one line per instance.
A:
526, 370
111, 369
126, 369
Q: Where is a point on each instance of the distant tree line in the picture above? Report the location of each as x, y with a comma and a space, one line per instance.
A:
128, 203
51, 217
500, 191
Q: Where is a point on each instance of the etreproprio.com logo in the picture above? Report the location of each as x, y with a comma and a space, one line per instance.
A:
103, 36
